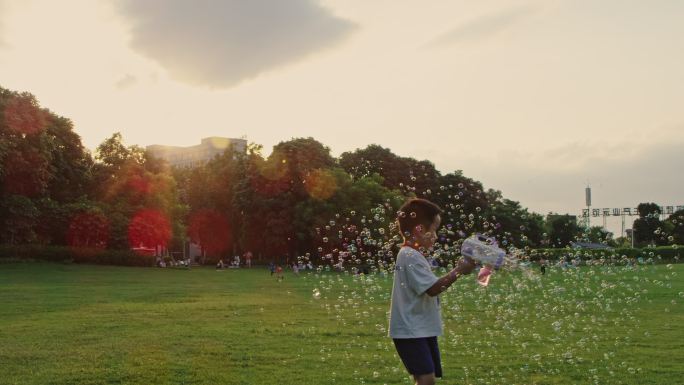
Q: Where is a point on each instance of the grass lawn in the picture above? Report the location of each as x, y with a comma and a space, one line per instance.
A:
79, 324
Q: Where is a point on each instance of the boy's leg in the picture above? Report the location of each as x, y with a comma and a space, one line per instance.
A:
436, 355
425, 379
421, 358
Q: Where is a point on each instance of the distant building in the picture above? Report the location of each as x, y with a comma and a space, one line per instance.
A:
196, 155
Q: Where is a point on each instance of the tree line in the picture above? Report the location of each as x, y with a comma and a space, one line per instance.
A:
297, 200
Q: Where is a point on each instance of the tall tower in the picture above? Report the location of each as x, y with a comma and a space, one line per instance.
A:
587, 193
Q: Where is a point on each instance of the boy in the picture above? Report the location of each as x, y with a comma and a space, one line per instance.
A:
415, 319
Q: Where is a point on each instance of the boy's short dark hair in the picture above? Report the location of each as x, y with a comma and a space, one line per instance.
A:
416, 212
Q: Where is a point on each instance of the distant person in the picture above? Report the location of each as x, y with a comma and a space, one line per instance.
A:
271, 267
295, 269
219, 264
248, 259
415, 320
542, 266
279, 273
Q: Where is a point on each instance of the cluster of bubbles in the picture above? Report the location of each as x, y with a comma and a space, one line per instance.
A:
578, 319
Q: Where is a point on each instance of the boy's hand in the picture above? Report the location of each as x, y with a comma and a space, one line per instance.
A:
464, 266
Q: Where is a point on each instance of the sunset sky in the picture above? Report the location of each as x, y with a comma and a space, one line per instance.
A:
533, 98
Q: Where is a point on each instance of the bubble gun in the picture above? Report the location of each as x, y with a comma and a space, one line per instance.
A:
486, 251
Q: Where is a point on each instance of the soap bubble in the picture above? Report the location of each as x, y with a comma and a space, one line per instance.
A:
586, 305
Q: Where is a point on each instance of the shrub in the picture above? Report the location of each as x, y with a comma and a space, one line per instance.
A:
65, 254
662, 254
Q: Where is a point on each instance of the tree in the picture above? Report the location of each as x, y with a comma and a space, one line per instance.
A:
43, 169
676, 224
211, 230
357, 206
89, 228
513, 224
113, 154
597, 234
24, 162
150, 229
137, 194
406, 174
562, 229
70, 163
275, 187
19, 217
648, 229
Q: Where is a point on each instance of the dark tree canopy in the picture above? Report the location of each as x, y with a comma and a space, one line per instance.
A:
297, 201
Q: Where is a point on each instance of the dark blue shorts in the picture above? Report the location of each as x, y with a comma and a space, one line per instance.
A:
419, 355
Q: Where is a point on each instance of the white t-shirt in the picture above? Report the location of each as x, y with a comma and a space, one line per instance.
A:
413, 313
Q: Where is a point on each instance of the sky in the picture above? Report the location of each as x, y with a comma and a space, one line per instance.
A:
536, 98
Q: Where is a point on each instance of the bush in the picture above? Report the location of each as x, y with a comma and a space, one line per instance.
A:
662, 254
65, 254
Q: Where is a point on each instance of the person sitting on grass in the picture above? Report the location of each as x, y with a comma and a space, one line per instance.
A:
415, 319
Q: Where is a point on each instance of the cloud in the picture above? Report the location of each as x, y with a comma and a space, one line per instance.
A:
484, 26
621, 175
219, 43
125, 82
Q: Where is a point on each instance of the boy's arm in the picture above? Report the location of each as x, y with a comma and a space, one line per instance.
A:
464, 266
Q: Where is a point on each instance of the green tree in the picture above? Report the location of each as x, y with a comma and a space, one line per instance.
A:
19, 218
137, 193
360, 211
597, 234
562, 229
280, 185
675, 222
209, 192
409, 175
648, 229
513, 224
43, 169
70, 163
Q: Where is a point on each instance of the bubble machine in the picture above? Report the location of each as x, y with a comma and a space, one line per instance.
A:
486, 251
483, 249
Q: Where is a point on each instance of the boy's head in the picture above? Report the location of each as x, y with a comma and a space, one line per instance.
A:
418, 220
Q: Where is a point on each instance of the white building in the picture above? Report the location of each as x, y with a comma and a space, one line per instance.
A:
196, 155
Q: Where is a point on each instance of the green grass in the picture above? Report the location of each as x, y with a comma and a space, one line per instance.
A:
78, 324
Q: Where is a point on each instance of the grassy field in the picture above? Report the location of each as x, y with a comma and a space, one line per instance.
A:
77, 324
